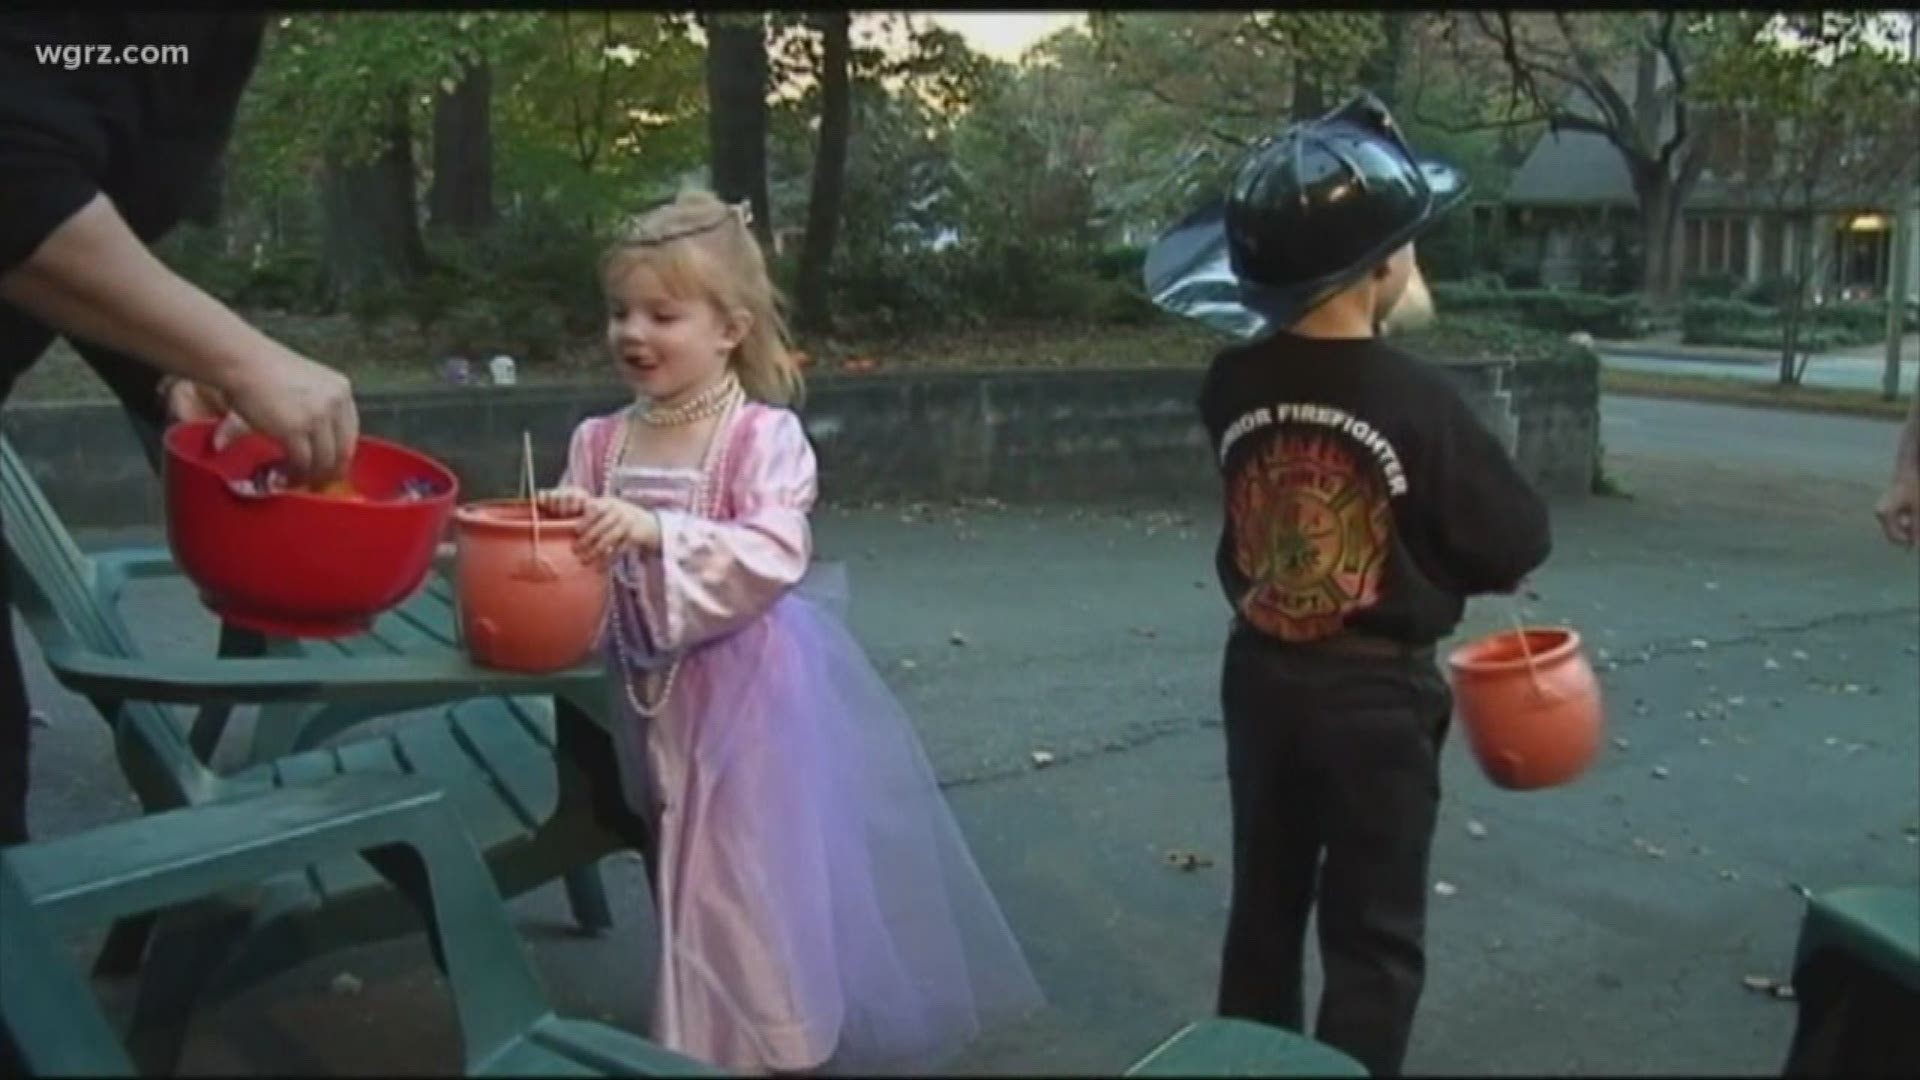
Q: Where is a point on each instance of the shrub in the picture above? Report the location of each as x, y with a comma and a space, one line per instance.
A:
1748, 325
1548, 309
1120, 263
1721, 286
1465, 337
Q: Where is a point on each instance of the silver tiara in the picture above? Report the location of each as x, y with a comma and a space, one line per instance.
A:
635, 233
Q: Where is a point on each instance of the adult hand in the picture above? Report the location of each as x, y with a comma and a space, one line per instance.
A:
187, 400
613, 524
1899, 509
305, 407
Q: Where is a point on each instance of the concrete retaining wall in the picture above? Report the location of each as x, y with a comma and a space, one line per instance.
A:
1013, 435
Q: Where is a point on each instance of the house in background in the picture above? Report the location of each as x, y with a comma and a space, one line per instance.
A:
1568, 220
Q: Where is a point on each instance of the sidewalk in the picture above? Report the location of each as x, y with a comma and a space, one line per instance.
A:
1856, 368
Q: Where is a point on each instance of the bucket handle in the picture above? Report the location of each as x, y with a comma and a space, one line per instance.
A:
1526, 650
538, 566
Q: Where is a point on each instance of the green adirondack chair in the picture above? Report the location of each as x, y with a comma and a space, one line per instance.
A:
507, 1027
1856, 974
1224, 1046
537, 794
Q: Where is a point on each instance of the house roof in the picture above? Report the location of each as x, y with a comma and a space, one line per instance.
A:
1569, 168
1581, 168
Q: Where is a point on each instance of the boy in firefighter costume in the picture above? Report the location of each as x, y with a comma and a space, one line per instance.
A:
1364, 504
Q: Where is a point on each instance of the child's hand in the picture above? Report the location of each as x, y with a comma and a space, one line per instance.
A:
615, 524
565, 501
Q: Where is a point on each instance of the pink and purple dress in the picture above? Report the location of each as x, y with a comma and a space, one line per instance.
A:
818, 906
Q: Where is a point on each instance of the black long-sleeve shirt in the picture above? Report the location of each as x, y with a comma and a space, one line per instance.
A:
145, 135
1362, 494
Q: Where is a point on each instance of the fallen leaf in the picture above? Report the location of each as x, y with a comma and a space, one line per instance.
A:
1729, 875
1739, 779
1146, 632
1441, 888
1188, 861
909, 664
1660, 772
1772, 664
1621, 743
1476, 830
1042, 759
346, 983
1800, 655
958, 638
1699, 645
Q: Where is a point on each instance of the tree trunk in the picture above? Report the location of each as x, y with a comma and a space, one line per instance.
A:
462, 195
737, 113
814, 308
1308, 102
1381, 72
1790, 371
1661, 253
372, 228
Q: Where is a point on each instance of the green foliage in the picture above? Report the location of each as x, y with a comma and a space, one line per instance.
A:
1722, 286
1547, 309
1757, 326
1788, 71
1456, 336
976, 192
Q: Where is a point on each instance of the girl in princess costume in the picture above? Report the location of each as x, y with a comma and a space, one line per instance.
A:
817, 904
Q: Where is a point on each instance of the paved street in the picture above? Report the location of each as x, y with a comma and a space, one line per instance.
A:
1758, 649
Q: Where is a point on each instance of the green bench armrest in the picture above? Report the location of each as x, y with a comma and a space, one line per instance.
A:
1879, 925
396, 683
156, 861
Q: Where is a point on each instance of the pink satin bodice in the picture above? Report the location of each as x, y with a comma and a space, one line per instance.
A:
712, 575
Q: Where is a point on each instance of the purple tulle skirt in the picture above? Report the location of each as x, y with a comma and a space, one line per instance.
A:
819, 909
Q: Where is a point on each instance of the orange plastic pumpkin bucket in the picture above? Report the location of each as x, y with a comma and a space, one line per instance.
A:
527, 602
1531, 706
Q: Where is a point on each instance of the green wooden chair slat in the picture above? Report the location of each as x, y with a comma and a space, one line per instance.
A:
504, 789
183, 856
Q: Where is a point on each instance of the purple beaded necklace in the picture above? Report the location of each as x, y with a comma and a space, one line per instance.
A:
630, 642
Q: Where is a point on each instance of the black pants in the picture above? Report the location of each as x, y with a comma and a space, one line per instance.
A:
1336, 758
22, 340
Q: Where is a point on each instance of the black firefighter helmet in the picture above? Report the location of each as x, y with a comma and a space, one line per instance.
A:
1309, 212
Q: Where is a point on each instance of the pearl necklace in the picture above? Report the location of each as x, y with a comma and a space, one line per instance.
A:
709, 402
706, 504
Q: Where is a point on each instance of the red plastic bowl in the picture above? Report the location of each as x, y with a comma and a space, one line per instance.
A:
297, 564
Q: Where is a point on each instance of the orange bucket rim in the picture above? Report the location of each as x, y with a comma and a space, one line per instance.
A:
490, 514
1467, 659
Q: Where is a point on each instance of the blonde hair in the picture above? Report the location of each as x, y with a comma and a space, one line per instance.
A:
701, 248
